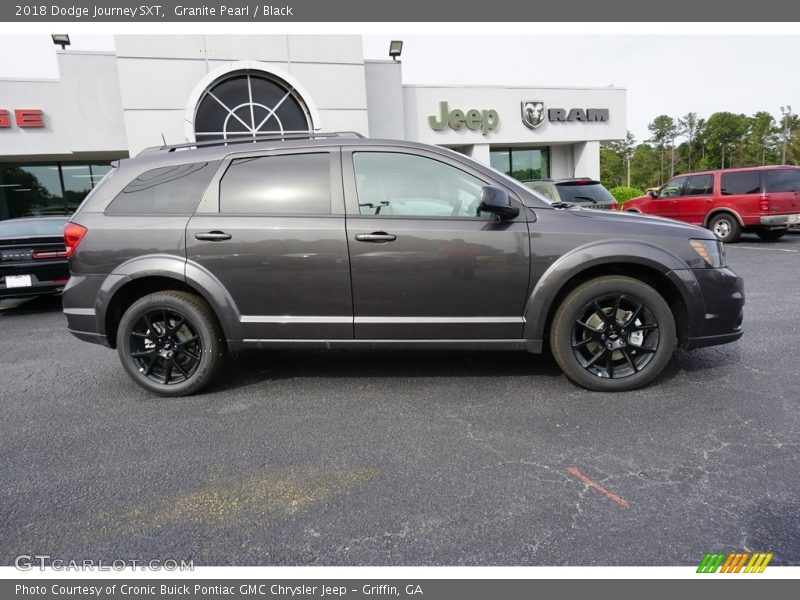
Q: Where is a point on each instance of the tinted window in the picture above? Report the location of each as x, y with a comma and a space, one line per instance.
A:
700, 185
590, 193
31, 227
403, 184
278, 185
173, 190
783, 180
673, 188
743, 182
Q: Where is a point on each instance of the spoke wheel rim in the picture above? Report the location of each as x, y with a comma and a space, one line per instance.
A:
165, 346
615, 336
722, 228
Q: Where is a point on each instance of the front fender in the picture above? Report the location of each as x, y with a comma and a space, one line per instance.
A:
583, 258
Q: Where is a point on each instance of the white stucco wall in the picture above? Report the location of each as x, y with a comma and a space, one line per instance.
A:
82, 110
157, 75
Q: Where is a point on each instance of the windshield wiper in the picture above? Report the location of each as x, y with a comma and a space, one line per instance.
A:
561, 205
592, 200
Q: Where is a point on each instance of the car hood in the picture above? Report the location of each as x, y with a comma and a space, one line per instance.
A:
625, 221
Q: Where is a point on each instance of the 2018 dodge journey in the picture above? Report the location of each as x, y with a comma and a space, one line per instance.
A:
185, 254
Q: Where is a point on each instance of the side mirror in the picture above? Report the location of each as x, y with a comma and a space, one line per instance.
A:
652, 194
495, 200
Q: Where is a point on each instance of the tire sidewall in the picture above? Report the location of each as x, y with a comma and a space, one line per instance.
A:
211, 353
577, 300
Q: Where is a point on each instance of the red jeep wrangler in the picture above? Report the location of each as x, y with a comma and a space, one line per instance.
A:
765, 200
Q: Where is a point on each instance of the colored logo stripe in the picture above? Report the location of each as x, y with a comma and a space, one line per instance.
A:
734, 562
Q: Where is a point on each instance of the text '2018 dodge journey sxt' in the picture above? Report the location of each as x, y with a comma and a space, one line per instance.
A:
186, 254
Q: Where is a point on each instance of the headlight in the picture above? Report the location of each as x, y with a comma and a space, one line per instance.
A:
712, 253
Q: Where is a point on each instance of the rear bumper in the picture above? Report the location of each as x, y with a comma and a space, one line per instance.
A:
780, 220
46, 288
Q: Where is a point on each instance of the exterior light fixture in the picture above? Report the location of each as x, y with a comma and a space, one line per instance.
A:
61, 39
395, 48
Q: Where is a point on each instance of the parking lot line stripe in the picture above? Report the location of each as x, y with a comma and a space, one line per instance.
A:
575, 472
739, 247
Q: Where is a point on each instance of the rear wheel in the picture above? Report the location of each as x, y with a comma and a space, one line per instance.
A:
613, 334
771, 234
725, 227
170, 343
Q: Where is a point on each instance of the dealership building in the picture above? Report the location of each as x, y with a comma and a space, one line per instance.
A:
58, 137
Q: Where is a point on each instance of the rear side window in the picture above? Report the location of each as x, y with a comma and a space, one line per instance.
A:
278, 185
700, 185
173, 190
743, 182
783, 180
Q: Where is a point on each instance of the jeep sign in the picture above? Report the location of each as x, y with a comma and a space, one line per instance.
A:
485, 120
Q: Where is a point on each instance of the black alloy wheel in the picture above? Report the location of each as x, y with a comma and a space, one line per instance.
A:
170, 343
613, 333
165, 346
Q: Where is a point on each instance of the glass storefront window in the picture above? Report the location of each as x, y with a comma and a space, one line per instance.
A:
48, 189
523, 164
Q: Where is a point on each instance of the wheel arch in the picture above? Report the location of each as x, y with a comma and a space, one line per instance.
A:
147, 275
643, 262
722, 209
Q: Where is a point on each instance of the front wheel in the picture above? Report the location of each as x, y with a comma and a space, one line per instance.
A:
613, 334
170, 343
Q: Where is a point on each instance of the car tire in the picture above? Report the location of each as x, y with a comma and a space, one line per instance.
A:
613, 351
770, 235
725, 227
170, 343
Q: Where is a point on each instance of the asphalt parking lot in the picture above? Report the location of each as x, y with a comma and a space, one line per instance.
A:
408, 458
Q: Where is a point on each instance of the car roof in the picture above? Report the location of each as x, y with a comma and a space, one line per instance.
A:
736, 169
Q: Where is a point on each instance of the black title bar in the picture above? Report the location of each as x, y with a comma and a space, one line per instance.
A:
678, 11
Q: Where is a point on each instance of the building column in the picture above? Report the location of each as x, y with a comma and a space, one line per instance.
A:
587, 159
480, 152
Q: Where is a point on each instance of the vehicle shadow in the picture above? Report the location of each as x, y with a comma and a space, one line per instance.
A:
30, 306
256, 366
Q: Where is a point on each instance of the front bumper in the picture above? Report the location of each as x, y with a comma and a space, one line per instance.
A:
780, 220
722, 293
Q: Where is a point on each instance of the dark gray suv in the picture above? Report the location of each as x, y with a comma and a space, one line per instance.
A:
186, 254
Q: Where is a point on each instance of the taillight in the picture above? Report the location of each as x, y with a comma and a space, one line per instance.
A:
73, 234
763, 203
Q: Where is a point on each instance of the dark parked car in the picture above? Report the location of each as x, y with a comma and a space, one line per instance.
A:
187, 253
581, 191
765, 200
33, 259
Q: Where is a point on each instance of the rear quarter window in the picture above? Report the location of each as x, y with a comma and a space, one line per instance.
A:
743, 182
783, 180
173, 190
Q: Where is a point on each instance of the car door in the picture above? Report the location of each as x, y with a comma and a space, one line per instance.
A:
695, 202
271, 230
425, 263
665, 204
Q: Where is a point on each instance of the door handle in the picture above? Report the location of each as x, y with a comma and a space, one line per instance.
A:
213, 236
379, 237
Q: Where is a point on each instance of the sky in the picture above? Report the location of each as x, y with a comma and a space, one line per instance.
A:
664, 74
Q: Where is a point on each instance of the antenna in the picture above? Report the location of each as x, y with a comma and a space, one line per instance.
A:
163, 138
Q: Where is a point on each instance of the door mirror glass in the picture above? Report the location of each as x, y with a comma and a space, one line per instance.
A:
495, 200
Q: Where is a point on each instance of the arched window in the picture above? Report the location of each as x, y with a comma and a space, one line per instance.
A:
249, 103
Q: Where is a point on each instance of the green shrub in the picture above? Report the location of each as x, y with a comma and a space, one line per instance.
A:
622, 193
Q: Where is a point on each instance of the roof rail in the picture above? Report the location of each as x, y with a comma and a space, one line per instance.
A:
252, 139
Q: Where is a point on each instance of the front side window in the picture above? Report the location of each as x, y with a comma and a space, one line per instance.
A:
292, 184
394, 184
743, 182
673, 188
783, 180
173, 190
700, 185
